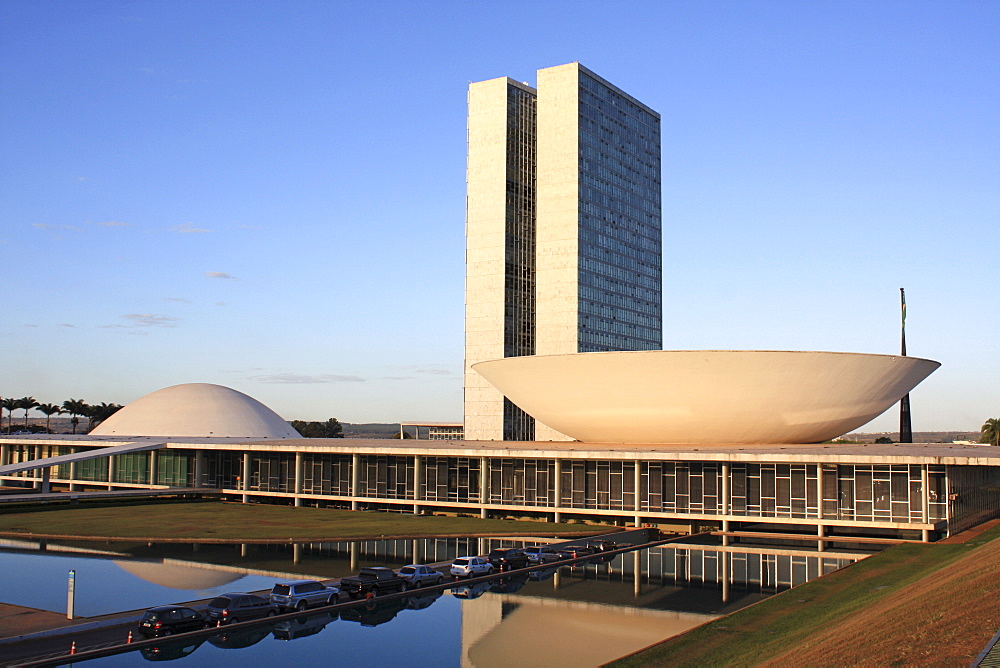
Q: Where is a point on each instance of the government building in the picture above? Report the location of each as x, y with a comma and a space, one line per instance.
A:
573, 413
562, 231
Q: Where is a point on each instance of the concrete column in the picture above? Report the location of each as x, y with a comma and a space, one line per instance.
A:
925, 509
46, 480
636, 573
153, 468
299, 465
4, 454
354, 556
296, 553
724, 558
246, 478
820, 533
355, 481
417, 474
819, 491
726, 493
244, 550
726, 487
72, 471
111, 471
416, 551
557, 491
484, 477
637, 502
199, 468
480, 546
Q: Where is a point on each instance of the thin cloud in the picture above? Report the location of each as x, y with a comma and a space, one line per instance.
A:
66, 324
397, 378
177, 299
114, 223
189, 228
46, 226
219, 274
151, 320
30, 325
435, 372
302, 379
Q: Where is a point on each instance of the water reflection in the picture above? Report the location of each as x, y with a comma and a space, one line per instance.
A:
582, 615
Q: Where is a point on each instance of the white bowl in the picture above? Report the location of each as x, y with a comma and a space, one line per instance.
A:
706, 396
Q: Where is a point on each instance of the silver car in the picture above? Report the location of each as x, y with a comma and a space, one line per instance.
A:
470, 566
302, 594
419, 576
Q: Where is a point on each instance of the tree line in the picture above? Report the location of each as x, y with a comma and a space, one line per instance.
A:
75, 408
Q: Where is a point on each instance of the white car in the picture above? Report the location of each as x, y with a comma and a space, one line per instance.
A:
470, 566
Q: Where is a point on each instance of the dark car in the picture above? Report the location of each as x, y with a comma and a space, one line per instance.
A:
373, 580
508, 558
576, 551
237, 607
604, 545
166, 620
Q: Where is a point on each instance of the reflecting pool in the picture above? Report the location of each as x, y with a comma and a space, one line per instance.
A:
582, 615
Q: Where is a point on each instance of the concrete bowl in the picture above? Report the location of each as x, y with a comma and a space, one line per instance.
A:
706, 396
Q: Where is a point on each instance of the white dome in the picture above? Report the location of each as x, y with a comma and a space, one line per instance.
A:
196, 410
705, 396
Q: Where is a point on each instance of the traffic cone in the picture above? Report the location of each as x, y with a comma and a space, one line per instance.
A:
218, 624
128, 641
72, 648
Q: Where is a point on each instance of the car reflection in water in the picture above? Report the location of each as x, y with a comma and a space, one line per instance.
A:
542, 574
422, 601
241, 639
170, 651
373, 612
471, 591
509, 585
302, 626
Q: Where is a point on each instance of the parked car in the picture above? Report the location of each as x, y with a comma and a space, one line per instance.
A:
418, 576
240, 639
603, 545
540, 554
236, 607
470, 566
542, 573
421, 601
302, 594
165, 620
374, 580
576, 551
508, 558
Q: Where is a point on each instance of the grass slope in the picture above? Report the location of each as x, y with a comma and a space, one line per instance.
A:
199, 520
912, 604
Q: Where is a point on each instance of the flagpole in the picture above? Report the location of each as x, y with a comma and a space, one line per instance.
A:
905, 429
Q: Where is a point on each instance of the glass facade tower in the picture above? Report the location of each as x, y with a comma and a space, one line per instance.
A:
562, 229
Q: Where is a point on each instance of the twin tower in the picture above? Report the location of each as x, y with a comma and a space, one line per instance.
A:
563, 240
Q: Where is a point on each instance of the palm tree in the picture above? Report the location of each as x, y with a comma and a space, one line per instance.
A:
10, 405
49, 410
27, 403
75, 407
990, 432
101, 412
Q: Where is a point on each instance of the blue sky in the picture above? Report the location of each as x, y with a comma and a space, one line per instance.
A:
270, 195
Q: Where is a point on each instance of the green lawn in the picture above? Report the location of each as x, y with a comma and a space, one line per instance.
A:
782, 623
200, 520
